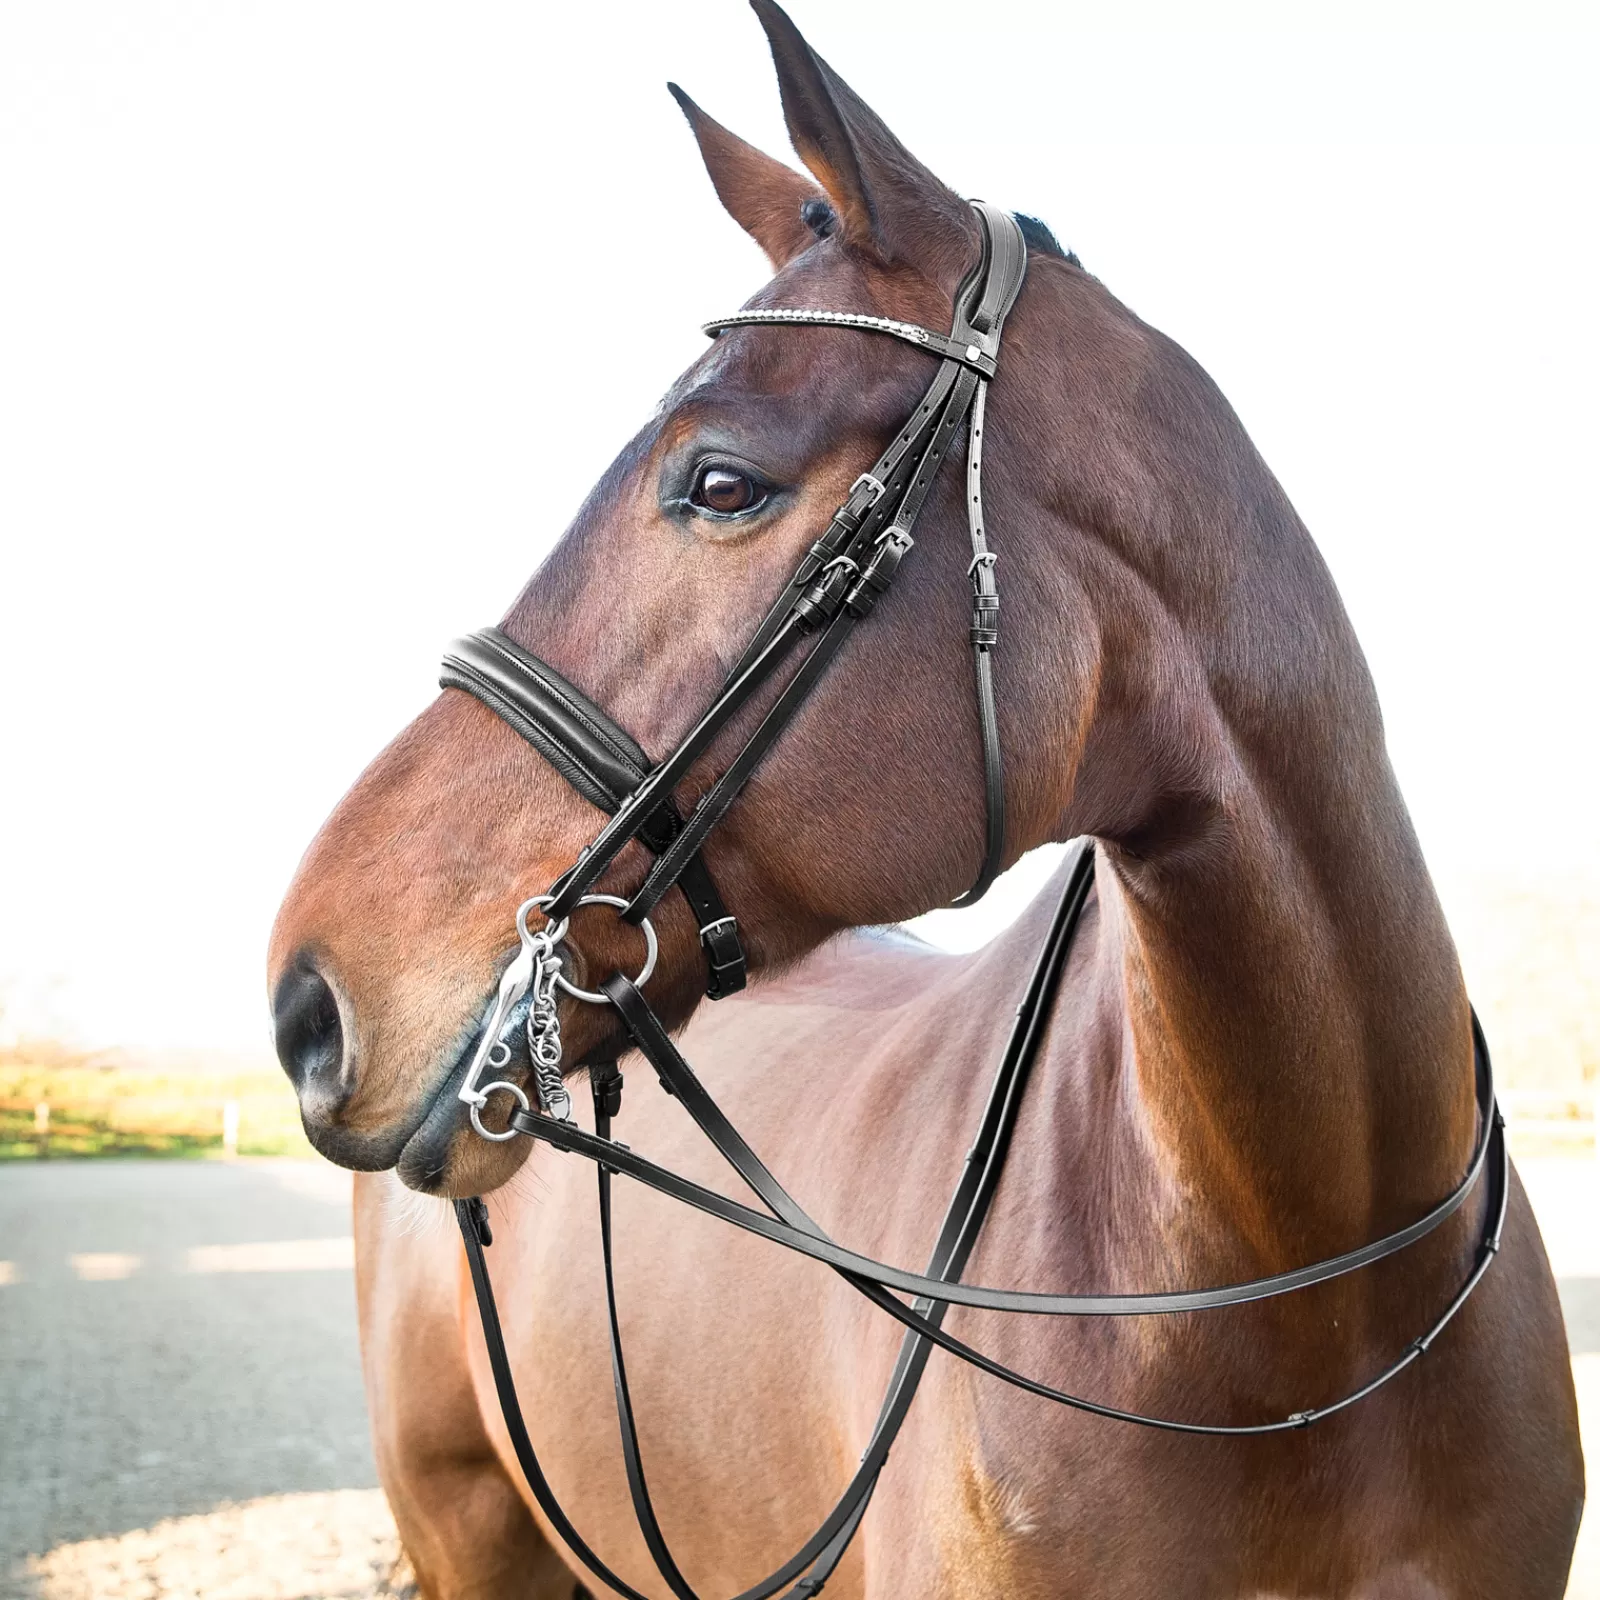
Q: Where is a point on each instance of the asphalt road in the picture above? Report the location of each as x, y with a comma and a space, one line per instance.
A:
177, 1335
140, 1381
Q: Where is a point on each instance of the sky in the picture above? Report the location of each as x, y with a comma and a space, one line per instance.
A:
318, 320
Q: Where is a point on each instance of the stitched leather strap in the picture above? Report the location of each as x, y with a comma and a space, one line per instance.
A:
1005, 263
631, 817
864, 514
985, 635
823, 579
977, 352
596, 756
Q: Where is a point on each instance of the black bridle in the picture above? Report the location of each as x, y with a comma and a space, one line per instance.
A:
837, 585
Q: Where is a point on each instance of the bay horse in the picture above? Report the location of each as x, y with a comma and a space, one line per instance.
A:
1260, 1052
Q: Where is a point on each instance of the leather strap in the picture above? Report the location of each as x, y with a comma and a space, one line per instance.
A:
565, 1136
1006, 257
631, 816
863, 515
846, 572
1489, 1246
859, 590
472, 1219
985, 635
606, 1084
823, 579
602, 761
977, 353
596, 756
982, 305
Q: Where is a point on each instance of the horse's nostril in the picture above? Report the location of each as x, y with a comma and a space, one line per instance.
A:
306, 1026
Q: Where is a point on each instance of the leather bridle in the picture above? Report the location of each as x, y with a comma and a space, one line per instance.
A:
836, 587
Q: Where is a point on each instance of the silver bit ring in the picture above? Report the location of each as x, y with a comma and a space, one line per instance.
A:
652, 947
475, 1107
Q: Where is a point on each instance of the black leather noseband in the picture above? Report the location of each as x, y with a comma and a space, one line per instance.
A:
836, 587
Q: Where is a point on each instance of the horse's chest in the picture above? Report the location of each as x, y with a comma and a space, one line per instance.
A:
1009, 1500
1009, 1540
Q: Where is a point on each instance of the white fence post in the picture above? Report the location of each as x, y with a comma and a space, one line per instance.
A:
230, 1129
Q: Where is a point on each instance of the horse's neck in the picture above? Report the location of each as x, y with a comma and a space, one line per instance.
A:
1296, 1039
1295, 1033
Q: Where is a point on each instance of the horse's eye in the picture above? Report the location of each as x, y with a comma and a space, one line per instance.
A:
726, 491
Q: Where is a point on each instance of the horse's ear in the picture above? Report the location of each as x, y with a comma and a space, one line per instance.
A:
888, 202
763, 196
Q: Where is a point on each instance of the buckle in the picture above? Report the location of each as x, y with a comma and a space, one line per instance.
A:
727, 970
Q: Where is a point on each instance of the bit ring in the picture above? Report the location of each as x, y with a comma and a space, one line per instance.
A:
476, 1106
554, 933
652, 948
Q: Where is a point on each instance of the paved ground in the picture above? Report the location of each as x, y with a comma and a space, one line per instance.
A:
139, 1382
177, 1337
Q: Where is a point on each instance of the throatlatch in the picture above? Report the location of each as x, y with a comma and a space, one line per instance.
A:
837, 586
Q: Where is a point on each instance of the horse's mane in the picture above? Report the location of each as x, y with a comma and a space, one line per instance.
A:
1042, 240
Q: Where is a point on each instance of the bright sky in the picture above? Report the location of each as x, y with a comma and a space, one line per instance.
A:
318, 320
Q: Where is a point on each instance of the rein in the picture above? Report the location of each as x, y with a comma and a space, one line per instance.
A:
836, 587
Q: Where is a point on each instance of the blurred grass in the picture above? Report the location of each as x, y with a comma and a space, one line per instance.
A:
113, 1109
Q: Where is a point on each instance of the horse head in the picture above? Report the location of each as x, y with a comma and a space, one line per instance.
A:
1109, 460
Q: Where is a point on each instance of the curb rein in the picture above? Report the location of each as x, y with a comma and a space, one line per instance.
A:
837, 585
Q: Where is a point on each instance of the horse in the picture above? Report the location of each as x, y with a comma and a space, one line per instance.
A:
1260, 1051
